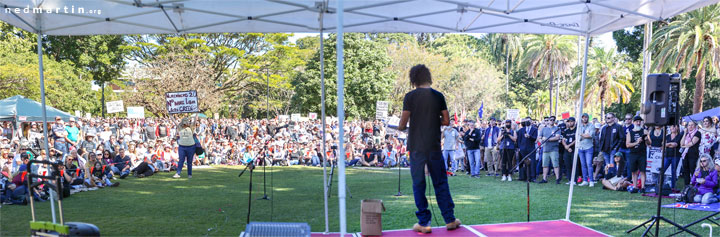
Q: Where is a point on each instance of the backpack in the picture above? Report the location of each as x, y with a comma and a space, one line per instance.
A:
687, 195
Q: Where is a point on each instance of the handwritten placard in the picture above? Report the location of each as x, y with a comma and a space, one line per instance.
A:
182, 102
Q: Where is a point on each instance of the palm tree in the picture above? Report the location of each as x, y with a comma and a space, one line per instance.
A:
609, 78
690, 42
549, 56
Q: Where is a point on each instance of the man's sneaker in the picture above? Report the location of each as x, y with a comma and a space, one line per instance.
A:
584, 183
422, 229
592, 184
496, 175
503, 178
189, 176
509, 178
453, 225
543, 181
557, 181
124, 175
114, 178
176, 175
115, 184
489, 174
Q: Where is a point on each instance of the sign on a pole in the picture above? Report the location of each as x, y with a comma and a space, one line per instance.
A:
394, 121
87, 115
295, 117
217, 116
78, 113
312, 116
513, 114
182, 102
136, 112
381, 110
284, 117
114, 106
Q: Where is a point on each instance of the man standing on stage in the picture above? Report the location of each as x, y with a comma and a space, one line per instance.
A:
426, 110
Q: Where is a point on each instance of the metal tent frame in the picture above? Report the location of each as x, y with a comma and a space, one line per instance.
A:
571, 17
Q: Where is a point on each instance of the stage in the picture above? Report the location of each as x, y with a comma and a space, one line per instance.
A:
535, 228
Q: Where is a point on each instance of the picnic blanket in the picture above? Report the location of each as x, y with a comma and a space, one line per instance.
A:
714, 207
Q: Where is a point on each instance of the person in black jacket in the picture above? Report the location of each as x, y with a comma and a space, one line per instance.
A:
611, 135
472, 139
527, 135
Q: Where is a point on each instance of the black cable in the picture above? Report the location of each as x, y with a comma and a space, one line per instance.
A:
272, 189
432, 207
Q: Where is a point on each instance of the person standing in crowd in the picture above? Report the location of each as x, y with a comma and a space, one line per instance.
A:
60, 136
627, 125
507, 138
490, 140
551, 136
585, 150
568, 143
73, 133
162, 132
611, 135
709, 136
426, 110
672, 153
186, 151
526, 144
691, 143
636, 141
472, 139
450, 138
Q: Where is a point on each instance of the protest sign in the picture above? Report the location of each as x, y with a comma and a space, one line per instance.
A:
182, 102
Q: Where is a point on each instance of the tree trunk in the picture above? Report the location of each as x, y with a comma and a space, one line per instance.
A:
602, 107
550, 106
699, 90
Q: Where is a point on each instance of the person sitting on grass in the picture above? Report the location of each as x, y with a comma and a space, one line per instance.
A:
98, 176
619, 181
704, 179
370, 157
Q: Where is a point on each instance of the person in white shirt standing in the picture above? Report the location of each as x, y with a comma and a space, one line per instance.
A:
451, 139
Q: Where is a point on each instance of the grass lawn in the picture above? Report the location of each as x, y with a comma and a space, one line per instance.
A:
214, 202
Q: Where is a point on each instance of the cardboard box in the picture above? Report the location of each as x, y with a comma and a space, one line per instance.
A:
371, 216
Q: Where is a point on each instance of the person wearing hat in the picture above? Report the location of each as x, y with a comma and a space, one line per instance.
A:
73, 132
568, 144
186, 150
616, 181
585, 150
59, 135
636, 142
87, 145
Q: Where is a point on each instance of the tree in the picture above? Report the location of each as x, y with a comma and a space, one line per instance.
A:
503, 48
609, 78
101, 56
690, 43
367, 79
549, 56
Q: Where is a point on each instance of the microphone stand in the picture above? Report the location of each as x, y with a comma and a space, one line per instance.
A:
251, 167
398, 168
527, 178
265, 196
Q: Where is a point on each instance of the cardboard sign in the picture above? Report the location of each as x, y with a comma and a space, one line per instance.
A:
114, 106
182, 102
78, 114
381, 110
284, 117
371, 216
312, 116
217, 116
513, 114
295, 117
136, 112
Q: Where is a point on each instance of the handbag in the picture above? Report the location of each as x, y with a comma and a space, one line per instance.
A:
687, 195
199, 150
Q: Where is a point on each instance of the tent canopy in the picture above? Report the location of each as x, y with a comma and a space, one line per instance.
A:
699, 116
21, 109
573, 17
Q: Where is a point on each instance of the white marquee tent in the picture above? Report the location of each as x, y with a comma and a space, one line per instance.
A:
573, 17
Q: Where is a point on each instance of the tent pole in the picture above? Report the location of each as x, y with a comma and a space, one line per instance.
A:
341, 117
322, 109
578, 114
646, 60
44, 111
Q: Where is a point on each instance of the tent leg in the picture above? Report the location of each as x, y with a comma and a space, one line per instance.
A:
646, 60
322, 109
578, 114
341, 117
44, 112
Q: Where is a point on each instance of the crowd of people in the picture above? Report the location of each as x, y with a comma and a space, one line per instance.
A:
96, 152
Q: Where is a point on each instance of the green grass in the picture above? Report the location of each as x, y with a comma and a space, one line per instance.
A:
215, 202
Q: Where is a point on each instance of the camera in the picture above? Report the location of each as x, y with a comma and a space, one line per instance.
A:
334, 147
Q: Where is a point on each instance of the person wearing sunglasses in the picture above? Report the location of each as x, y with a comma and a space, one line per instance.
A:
609, 140
705, 179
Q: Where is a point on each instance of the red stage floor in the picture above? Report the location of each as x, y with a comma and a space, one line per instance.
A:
535, 228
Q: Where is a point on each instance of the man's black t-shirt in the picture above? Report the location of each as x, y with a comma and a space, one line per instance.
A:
425, 106
634, 137
369, 154
569, 136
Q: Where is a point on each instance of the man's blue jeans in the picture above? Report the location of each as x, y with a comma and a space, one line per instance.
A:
474, 160
63, 147
626, 152
586, 161
186, 154
449, 154
434, 162
610, 159
671, 162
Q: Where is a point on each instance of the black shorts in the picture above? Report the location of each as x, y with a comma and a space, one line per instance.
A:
637, 162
